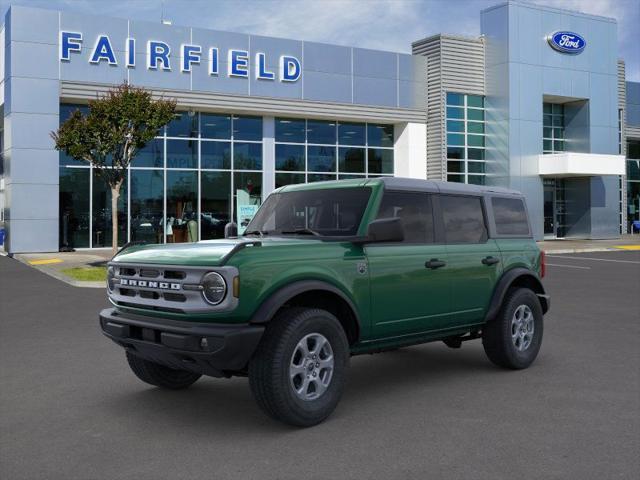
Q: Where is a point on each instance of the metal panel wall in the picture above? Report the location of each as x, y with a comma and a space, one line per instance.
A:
454, 64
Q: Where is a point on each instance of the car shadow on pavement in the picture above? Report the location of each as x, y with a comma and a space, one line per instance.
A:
228, 405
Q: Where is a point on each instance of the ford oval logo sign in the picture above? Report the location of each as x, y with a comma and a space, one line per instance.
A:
567, 42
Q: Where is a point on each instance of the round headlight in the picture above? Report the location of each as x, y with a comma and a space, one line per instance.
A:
214, 288
111, 272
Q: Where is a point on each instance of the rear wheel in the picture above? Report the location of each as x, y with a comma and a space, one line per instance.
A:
513, 338
159, 375
298, 372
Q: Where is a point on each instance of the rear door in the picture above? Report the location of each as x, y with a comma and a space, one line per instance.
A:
475, 263
410, 285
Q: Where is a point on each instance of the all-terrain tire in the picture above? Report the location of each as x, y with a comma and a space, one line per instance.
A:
159, 375
500, 335
270, 378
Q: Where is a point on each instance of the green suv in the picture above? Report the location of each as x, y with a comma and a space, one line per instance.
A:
329, 270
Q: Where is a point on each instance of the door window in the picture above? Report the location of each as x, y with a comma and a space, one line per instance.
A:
463, 219
414, 211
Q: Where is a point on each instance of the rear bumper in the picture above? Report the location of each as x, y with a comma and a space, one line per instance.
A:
210, 349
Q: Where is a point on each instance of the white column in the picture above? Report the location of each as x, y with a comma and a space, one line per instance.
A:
410, 150
268, 156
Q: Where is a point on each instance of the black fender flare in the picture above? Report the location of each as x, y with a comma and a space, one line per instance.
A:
506, 280
277, 299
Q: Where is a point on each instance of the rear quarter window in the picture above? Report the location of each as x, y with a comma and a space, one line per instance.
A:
510, 216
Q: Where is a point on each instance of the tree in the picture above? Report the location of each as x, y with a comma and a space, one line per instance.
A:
117, 126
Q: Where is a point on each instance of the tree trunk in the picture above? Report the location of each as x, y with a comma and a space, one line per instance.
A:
115, 194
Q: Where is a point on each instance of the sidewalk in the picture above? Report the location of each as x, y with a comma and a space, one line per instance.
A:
626, 242
55, 264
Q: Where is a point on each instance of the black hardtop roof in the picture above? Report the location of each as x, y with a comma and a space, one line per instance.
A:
414, 184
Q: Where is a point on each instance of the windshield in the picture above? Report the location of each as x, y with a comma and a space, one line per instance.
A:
332, 212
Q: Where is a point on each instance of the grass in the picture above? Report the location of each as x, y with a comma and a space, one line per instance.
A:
87, 274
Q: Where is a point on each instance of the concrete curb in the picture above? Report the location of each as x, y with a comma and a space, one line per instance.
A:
581, 250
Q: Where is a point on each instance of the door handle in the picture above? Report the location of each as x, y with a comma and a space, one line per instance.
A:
434, 263
490, 260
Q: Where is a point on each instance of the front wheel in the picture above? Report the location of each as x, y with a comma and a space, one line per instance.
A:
297, 374
513, 338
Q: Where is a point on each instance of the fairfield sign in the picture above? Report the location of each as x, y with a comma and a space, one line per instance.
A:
159, 56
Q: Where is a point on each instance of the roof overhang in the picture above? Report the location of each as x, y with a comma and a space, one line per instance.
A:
573, 164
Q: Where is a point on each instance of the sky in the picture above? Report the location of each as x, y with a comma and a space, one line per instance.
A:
378, 24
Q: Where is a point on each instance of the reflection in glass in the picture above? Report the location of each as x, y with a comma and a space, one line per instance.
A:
215, 126
320, 131
380, 161
182, 153
247, 128
351, 160
74, 207
315, 177
184, 124
351, 133
290, 157
283, 179
182, 207
247, 156
101, 218
321, 159
379, 135
455, 98
147, 188
215, 155
151, 155
215, 190
290, 130
66, 109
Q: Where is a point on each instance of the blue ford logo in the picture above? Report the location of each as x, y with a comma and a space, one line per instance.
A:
567, 42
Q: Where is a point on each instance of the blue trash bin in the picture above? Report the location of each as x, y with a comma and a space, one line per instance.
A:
1, 236
635, 227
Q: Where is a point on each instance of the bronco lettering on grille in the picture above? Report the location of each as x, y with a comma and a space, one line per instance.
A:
130, 282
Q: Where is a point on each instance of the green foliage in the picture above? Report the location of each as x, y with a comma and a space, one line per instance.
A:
117, 126
87, 274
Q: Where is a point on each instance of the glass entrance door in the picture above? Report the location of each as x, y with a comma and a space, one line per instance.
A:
555, 208
549, 208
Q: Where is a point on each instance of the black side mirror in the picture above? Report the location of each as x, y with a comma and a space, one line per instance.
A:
385, 230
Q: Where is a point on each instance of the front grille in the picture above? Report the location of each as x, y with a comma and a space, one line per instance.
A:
166, 287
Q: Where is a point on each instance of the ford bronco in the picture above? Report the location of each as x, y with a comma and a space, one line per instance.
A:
329, 270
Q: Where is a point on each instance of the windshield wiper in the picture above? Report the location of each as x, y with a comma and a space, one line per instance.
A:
262, 233
301, 231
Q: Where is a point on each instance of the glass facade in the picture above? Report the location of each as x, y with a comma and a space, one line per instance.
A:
633, 181
186, 183
552, 128
317, 150
180, 188
465, 130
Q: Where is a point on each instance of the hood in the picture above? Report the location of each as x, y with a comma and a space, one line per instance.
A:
203, 253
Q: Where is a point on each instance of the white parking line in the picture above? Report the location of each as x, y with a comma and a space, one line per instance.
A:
591, 258
568, 266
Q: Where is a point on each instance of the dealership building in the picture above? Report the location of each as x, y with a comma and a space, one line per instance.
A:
538, 103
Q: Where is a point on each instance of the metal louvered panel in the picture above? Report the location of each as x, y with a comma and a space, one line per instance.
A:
454, 64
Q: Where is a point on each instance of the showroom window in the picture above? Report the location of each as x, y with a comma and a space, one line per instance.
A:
316, 150
182, 186
552, 128
465, 130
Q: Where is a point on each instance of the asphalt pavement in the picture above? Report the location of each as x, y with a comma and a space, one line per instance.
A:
71, 409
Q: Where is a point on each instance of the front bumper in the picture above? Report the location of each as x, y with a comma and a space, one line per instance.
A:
180, 345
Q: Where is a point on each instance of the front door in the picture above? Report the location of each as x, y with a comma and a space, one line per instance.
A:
410, 283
